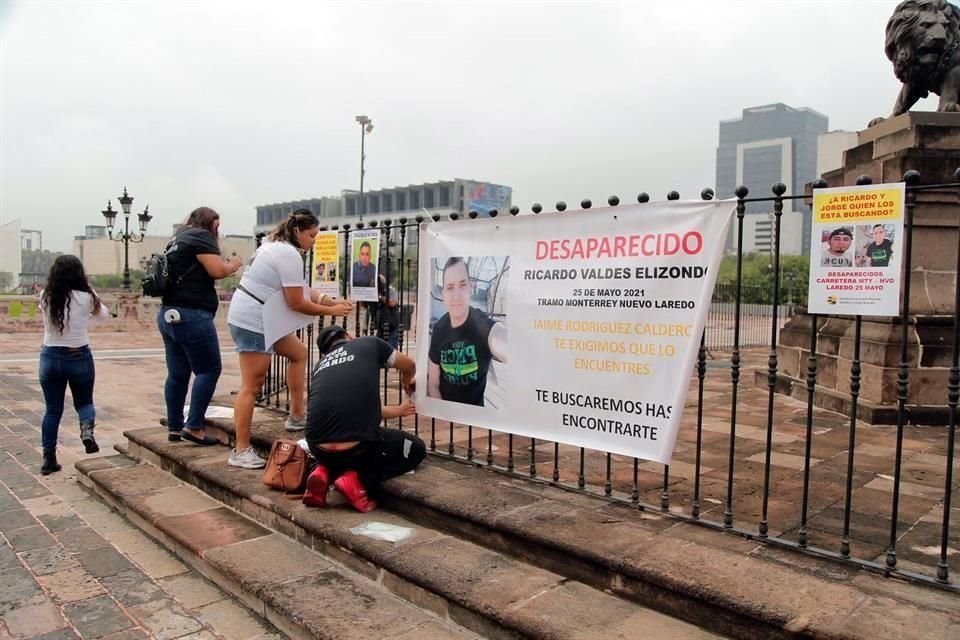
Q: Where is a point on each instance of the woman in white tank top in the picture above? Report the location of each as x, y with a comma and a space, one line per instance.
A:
277, 270
69, 304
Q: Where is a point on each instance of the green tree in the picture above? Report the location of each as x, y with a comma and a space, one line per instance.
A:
756, 278
105, 281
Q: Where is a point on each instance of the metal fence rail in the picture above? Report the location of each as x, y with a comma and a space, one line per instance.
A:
747, 459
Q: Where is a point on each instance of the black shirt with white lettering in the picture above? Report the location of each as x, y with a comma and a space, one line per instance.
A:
344, 402
463, 355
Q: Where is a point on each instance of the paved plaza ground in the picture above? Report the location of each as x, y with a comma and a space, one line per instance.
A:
69, 567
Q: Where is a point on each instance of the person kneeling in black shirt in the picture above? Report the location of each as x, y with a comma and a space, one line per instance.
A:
344, 415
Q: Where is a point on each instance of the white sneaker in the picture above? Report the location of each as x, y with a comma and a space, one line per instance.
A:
295, 425
246, 459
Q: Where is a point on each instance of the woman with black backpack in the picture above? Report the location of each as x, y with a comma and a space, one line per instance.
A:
186, 323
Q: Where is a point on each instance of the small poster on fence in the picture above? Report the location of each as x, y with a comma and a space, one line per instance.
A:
364, 255
857, 233
326, 257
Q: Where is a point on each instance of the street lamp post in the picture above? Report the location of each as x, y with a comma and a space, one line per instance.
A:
126, 237
366, 126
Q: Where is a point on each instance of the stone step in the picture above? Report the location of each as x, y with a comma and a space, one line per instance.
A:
479, 589
718, 580
300, 592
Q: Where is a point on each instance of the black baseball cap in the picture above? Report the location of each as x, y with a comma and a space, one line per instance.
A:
842, 231
328, 336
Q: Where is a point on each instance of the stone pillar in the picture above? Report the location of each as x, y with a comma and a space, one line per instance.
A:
930, 144
128, 312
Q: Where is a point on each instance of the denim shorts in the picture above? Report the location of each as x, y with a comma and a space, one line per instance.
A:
248, 341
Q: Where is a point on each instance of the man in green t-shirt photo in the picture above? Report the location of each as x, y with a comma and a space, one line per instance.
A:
879, 252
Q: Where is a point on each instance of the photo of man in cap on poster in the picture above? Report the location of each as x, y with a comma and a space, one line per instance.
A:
837, 250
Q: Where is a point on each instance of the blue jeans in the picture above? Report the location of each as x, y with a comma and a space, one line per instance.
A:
59, 367
192, 346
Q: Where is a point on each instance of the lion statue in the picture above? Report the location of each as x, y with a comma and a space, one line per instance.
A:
922, 42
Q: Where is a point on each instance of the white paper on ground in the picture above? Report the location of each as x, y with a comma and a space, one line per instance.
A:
212, 412
280, 320
383, 531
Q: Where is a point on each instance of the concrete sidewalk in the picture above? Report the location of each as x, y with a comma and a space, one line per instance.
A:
70, 567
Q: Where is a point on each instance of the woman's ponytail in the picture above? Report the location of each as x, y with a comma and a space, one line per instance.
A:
286, 230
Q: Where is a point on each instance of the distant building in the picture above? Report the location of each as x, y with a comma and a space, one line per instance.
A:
769, 144
101, 255
10, 256
268, 215
93, 231
433, 198
31, 240
830, 149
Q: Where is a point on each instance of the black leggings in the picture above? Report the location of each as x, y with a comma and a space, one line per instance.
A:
394, 453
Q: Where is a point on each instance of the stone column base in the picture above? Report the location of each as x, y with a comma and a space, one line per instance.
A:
929, 352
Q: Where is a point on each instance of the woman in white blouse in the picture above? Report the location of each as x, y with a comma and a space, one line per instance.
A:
69, 304
277, 266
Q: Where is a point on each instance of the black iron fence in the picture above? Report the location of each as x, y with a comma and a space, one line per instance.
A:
748, 459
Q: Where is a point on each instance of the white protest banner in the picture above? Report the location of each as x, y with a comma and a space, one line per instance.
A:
326, 257
364, 253
855, 256
579, 327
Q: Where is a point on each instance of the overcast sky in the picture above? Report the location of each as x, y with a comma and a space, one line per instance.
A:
236, 104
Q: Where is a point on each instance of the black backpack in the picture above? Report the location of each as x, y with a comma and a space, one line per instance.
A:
158, 280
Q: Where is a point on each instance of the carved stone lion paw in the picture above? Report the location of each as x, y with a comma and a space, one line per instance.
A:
875, 122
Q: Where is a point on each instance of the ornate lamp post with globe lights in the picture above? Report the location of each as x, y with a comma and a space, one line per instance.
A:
126, 237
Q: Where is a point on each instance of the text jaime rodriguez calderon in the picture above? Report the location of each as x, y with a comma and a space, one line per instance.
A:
659, 272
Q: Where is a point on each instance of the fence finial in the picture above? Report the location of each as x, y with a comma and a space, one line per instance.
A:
911, 177
673, 195
514, 210
707, 194
613, 201
585, 203
643, 197
741, 192
561, 206
537, 207
864, 180
779, 189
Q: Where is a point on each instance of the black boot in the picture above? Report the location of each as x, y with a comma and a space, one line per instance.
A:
50, 464
86, 436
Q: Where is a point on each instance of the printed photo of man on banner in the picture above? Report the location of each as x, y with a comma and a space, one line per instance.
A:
468, 330
364, 255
